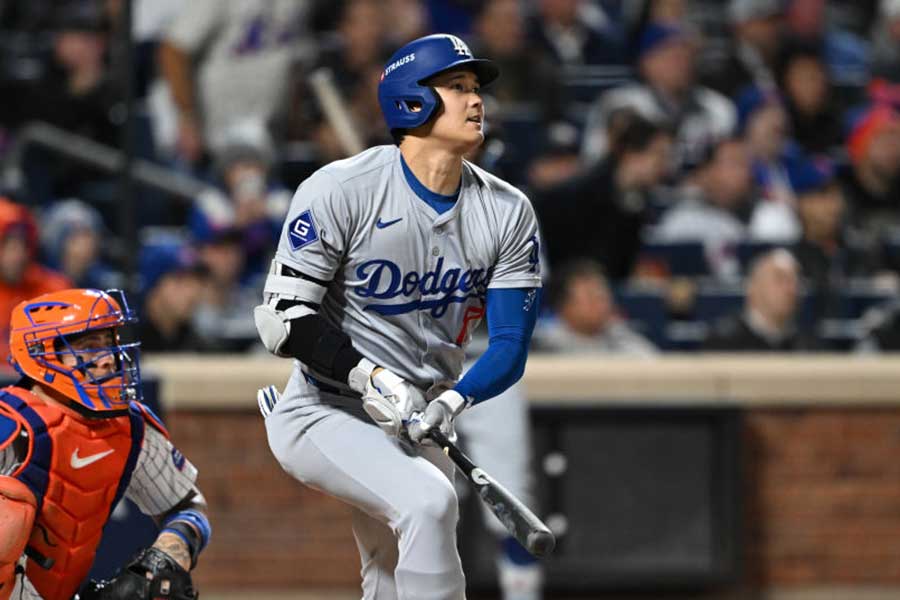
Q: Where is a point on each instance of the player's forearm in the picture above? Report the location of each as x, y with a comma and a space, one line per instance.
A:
502, 364
175, 66
175, 547
511, 316
185, 530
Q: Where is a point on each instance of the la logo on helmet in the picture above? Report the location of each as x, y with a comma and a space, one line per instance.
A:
459, 46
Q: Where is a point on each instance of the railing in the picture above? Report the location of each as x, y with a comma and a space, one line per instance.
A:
100, 156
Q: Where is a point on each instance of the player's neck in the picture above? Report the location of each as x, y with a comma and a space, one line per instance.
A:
54, 398
437, 169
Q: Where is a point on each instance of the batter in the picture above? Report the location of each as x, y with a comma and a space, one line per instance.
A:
386, 264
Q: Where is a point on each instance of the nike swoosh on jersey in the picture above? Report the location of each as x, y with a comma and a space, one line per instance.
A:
382, 224
79, 462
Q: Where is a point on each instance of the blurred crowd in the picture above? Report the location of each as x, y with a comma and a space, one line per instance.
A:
709, 174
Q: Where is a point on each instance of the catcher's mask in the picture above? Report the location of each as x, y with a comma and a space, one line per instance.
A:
69, 342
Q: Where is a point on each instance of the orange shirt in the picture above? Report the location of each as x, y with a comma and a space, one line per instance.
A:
37, 280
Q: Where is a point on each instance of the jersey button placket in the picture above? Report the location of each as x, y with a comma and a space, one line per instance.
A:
427, 319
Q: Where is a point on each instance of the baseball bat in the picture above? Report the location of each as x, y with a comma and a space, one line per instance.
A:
515, 516
335, 109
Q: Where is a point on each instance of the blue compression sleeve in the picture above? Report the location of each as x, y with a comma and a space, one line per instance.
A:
511, 315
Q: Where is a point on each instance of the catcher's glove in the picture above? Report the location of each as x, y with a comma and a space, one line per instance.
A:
152, 575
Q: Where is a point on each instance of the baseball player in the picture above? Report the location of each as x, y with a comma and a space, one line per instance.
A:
75, 439
387, 262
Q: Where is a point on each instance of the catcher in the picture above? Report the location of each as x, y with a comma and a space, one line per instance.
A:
75, 439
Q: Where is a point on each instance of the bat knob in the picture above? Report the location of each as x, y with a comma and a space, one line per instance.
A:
541, 543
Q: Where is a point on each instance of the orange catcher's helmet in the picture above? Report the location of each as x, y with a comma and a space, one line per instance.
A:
42, 332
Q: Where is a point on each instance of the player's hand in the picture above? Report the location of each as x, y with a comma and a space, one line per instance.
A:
440, 413
152, 574
391, 401
267, 398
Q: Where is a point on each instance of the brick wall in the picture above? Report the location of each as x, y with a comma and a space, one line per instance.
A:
268, 529
822, 499
822, 493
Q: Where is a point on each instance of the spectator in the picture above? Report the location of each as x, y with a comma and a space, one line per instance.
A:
72, 239
768, 322
639, 14
757, 27
150, 18
77, 92
586, 318
886, 42
171, 283
667, 93
829, 252
453, 17
21, 277
601, 213
404, 21
575, 32
250, 201
815, 115
224, 315
528, 75
354, 57
845, 54
211, 53
870, 180
714, 207
763, 122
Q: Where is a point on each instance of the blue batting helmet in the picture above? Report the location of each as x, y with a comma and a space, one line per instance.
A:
401, 81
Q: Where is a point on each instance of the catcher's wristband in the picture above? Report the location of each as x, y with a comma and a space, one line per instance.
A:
193, 528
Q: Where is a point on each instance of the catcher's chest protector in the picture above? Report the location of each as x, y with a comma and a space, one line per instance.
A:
78, 469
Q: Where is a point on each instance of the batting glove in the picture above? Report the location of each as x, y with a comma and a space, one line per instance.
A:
267, 398
387, 398
439, 413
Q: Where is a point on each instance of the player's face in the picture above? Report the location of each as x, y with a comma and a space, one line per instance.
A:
461, 120
93, 348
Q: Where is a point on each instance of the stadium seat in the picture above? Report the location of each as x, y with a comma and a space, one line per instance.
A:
840, 334
586, 83
859, 295
644, 308
685, 336
679, 258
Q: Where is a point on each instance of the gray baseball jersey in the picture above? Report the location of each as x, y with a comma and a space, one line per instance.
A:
408, 284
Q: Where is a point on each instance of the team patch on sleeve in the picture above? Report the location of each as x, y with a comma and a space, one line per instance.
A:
302, 230
177, 459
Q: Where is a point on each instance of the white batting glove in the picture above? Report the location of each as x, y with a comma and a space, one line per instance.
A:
267, 398
387, 398
440, 413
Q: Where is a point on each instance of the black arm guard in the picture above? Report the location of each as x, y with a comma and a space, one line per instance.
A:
316, 343
323, 347
152, 575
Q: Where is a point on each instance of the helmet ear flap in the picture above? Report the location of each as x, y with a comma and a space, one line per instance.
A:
430, 109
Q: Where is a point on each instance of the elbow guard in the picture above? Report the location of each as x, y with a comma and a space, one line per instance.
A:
17, 512
290, 326
274, 326
287, 295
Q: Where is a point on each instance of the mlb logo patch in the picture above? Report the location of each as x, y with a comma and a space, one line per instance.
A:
302, 230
